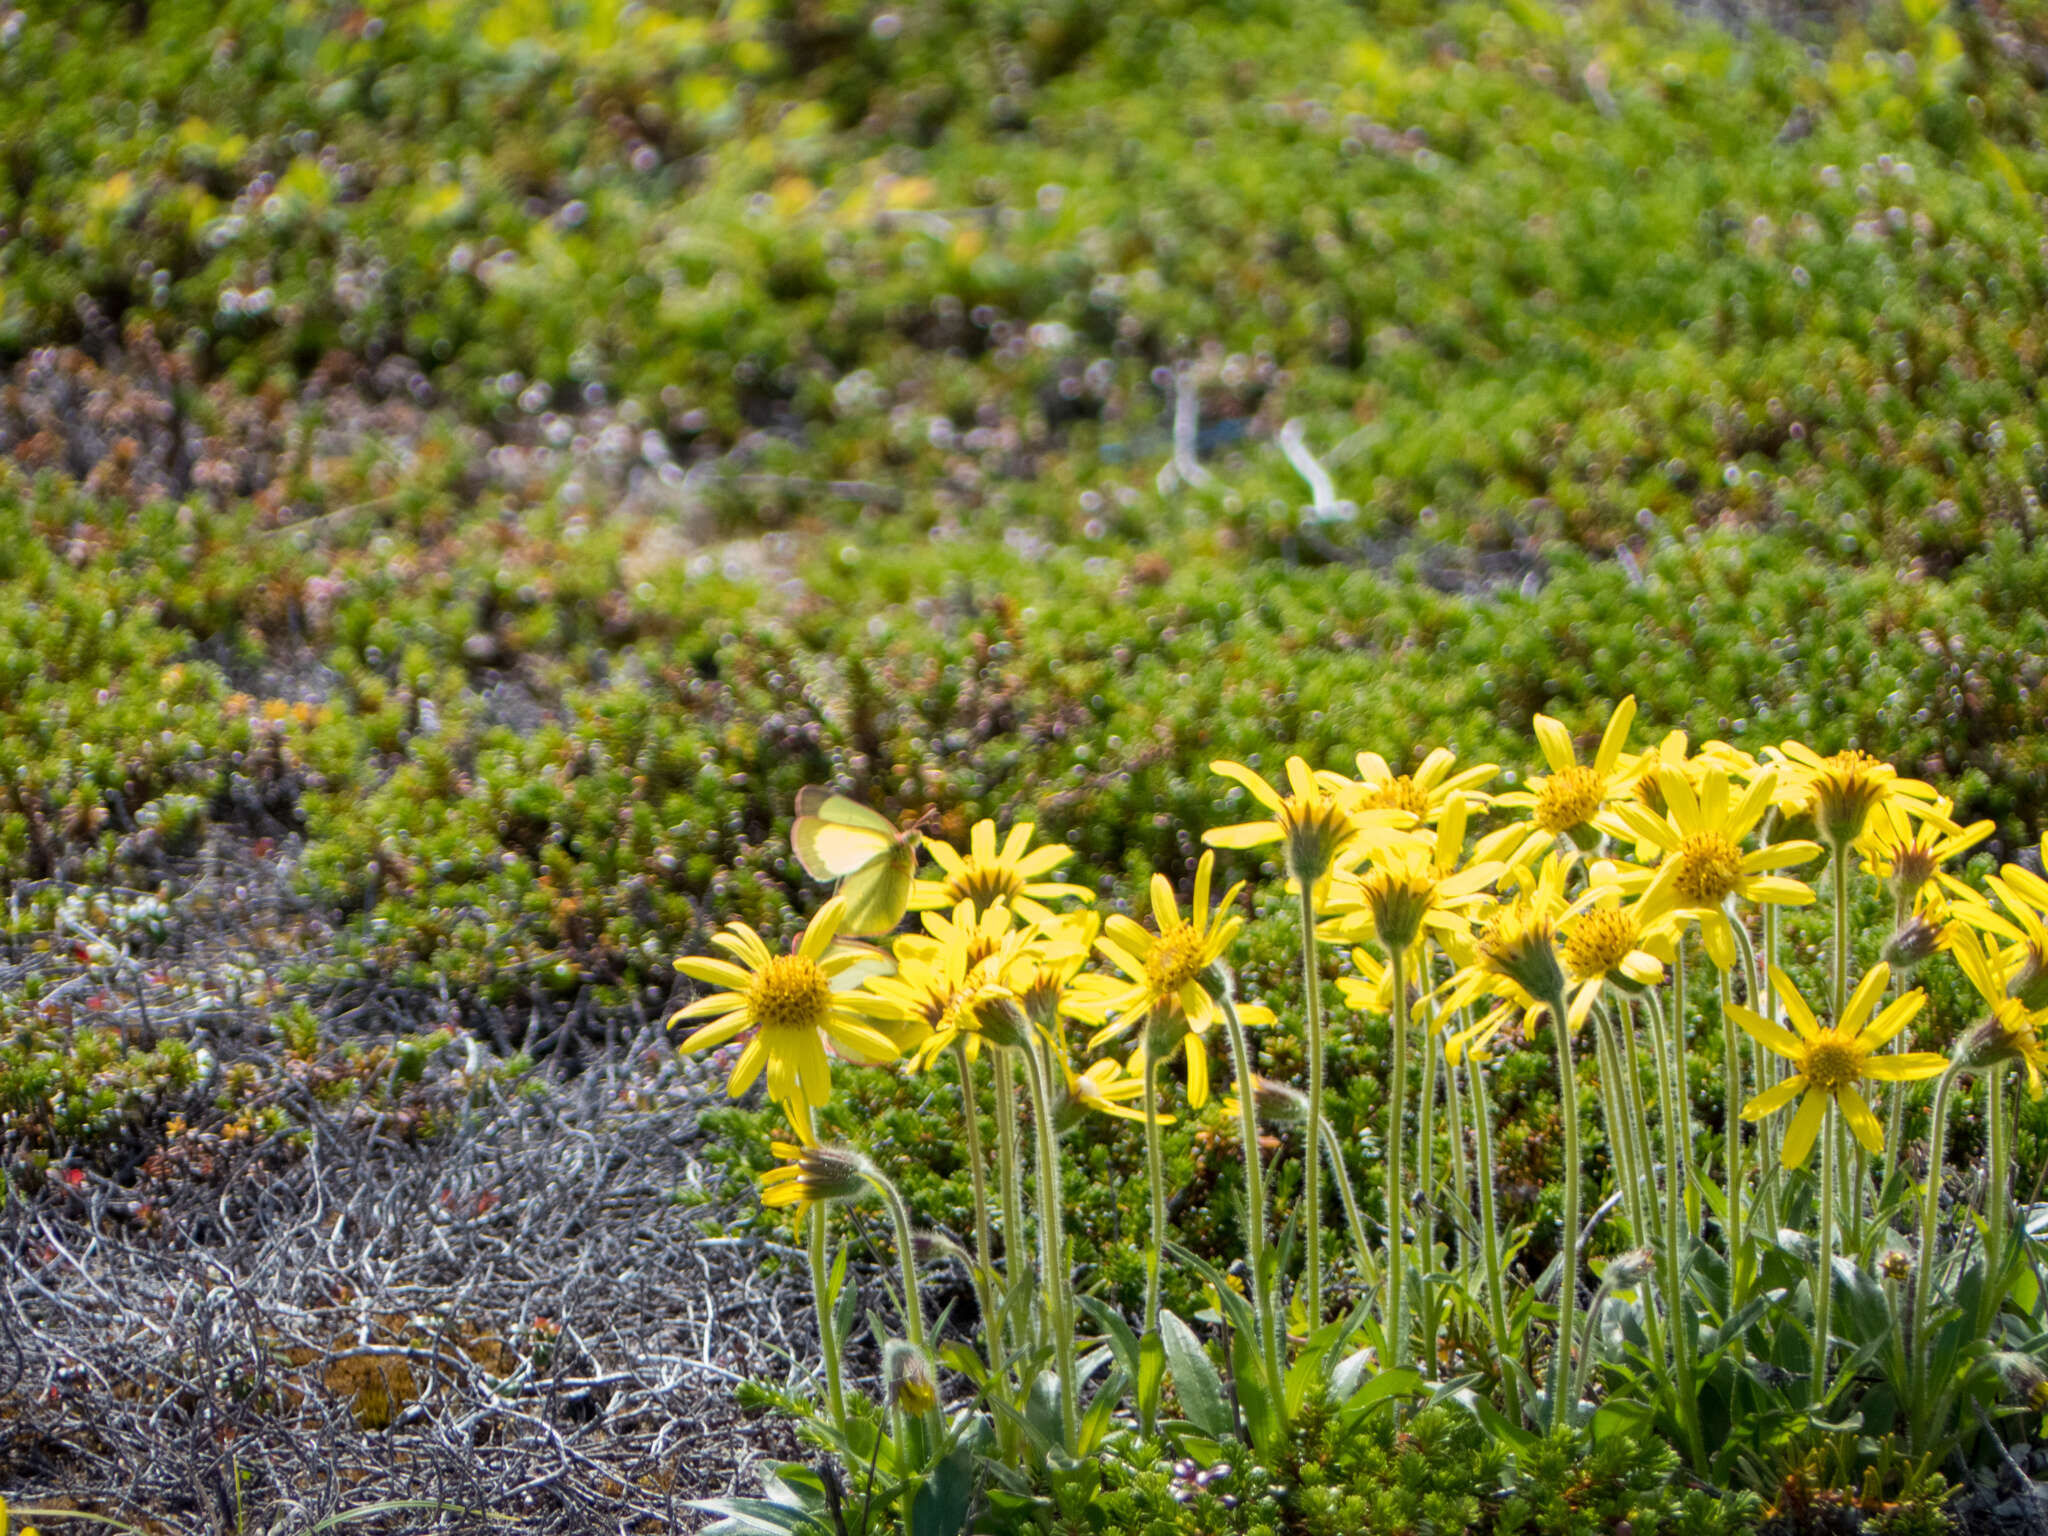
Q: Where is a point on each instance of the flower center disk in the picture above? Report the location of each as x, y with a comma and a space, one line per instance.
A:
1599, 941
1709, 869
790, 993
1832, 1062
1570, 799
1176, 959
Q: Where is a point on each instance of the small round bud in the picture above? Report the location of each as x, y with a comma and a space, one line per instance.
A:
1897, 1264
908, 1376
1916, 941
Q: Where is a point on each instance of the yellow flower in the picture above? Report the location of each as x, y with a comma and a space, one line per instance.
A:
1372, 989
1315, 822
1424, 794
1910, 849
796, 1004
986, 874
1606, 940
1575, 795
950, 978
1830, 1062
1164, 970
810, 1174
1106, 1088
1514, 958
1700, 835
1840, 791
1410, 889
2012, 1030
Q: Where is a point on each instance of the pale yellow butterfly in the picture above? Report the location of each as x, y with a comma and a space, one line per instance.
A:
840, 839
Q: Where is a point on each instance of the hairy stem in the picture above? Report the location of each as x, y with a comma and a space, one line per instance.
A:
1568, 1238
1397, 1187
1489, 1240
1265, 1301
1311, 1184
1052, 1242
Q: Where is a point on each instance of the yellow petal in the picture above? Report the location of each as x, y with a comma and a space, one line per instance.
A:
1805, 1126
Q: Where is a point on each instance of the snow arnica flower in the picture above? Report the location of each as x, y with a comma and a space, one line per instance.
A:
1840, 791
2010, 1030
1909, 849
796, 1005
949, 977
1410, 888
1700, 836
987, 874
1574, 794
1164, 970
1108, 1087
810, 1175
1608, 941
1424, 794
1829, 1063
1315, 822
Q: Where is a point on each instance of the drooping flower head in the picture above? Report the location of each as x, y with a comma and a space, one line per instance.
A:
986, 875
1829, 1063
1411, 888
1108, 1087
1909, 849
1841, 790
1315, 822
796, 1005
810, 1174
954, 979
2010, 1031
1164, 989
1701, 836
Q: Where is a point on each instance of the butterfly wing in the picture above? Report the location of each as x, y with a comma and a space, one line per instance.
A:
835, 837
878, 894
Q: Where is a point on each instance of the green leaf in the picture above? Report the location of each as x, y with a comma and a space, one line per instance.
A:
1398, 1381
1095, 1419
1263, 1420
756, 1517
940, 1505
1195, 1379
1151, 1375
1115, 1330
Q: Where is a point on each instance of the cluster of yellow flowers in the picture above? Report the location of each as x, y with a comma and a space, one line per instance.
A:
1469, 918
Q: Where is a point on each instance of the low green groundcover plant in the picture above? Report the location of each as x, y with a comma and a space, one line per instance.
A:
1789, 1302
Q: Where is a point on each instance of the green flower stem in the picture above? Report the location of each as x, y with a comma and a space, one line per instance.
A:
1671, 1253
1568, 1237
1396, 1318
1824, 1271
1425, 1214
913, 1303
1265, 1301
984, 1243
1311, 1183
1489, 1240
1628, 1175
1997, 1192
1010, 1170
1770, 1135
1055, 1282
1895, 1094
1923, 1277
1155, 1176
1354, 1216
1454, 1115
1638, 1128
1681, 1144
828, 1335
1739, 1259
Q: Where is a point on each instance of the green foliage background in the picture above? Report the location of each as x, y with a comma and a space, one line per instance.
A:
834, 347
